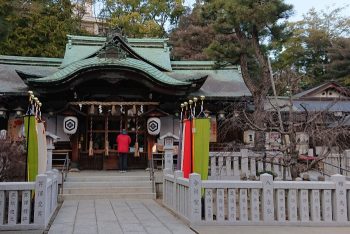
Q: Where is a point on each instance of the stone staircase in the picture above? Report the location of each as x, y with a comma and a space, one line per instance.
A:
107, 185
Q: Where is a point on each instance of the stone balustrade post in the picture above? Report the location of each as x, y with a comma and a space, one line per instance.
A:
244, 162
347, 162
166, 171
267, 198
340, 209
168, 158
40, 215
195, 197
177, 174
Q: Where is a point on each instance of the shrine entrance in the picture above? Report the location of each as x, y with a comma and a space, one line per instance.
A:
94, 146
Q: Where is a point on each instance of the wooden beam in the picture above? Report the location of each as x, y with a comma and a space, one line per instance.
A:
114, 103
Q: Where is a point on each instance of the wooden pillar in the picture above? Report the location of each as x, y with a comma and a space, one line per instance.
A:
74, 139
150, 142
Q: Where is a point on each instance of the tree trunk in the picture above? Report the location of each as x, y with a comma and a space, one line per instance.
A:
293, 164
259, 120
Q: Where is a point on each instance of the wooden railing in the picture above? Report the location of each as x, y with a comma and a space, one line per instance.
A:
17, 199
264, 202
232, 165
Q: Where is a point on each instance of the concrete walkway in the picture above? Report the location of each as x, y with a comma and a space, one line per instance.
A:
115, 216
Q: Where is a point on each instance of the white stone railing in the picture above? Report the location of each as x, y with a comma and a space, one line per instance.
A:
264, 202
336, 163
17, 199
177, 189
231, 165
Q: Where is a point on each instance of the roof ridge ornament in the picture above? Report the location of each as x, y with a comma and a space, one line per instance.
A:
112, 49
116, 31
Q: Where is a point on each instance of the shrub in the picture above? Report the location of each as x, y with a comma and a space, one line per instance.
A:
12, 160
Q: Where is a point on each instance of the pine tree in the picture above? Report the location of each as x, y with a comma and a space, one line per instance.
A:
249, 29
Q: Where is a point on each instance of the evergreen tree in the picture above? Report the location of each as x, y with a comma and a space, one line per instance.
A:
249, 28
37, 28
143, 18
192, 36
318, 47
338, 67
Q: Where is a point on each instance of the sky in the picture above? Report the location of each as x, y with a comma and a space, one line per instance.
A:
302, 6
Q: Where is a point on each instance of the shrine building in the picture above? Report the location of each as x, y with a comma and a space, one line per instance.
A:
110, 84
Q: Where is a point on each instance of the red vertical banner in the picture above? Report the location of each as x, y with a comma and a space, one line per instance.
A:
187, 149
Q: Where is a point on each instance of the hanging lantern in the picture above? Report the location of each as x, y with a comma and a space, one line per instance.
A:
134, 110
113, 111
153, 126
3, 111
130, 113
92, 110
70, 124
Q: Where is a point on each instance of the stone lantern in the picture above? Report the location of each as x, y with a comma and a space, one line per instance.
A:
50, 140
168, 149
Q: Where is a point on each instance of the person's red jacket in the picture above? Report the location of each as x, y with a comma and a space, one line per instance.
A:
123, 142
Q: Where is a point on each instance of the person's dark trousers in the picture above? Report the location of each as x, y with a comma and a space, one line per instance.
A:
123, 161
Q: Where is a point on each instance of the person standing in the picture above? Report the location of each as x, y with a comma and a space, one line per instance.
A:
123, 141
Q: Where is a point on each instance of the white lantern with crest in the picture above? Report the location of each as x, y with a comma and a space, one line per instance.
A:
70, 124
153, 126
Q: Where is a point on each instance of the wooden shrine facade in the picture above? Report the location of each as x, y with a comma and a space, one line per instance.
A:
110, 84
94, 145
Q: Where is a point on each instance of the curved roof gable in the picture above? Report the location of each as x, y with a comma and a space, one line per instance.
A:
67, 73
79, 48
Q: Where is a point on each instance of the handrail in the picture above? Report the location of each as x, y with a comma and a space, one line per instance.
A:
65, 170
151, 173
65, 166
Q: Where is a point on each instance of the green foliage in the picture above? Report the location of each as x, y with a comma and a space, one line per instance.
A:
339, 66
192, 36
143, 18
316, 48
248, 30
37, 28
12, 160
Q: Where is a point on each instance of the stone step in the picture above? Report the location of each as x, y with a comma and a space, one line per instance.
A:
107, 190
106, 178
107, 184
108, 196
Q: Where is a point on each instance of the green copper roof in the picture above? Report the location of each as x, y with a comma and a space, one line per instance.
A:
134, 42
153, 50
95, 62
31, 61
220, 83
158, 56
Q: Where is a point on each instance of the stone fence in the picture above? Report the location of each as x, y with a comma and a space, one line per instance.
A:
264, 202
28, 205
231, 165
337, 163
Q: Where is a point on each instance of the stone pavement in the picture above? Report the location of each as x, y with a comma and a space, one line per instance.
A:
270, 229
104, 216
